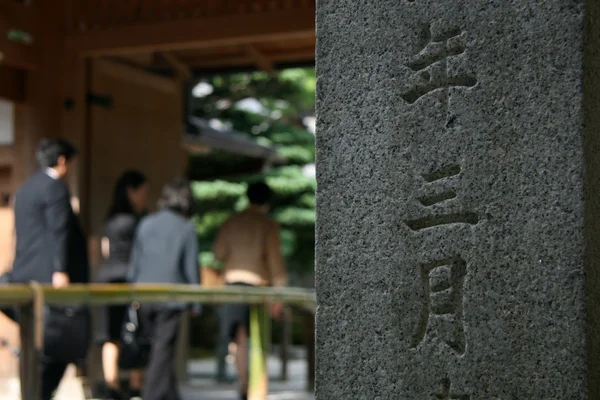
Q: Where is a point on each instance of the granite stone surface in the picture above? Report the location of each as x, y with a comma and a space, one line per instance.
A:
458, 207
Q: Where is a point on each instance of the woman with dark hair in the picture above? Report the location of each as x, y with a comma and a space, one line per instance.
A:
128, 206
165, 251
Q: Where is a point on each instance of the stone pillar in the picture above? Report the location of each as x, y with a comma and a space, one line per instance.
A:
458, 233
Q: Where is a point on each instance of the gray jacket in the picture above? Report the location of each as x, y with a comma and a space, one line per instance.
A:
165, 250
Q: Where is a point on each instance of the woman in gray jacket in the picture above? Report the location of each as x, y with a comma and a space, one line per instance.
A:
165, 250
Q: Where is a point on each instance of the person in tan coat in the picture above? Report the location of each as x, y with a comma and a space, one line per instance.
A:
249, 247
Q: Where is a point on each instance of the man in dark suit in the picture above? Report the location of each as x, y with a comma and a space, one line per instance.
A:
51, 247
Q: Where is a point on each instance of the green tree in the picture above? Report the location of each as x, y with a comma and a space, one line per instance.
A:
283, 100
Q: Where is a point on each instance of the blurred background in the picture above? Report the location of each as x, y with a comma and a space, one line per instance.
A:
275, 111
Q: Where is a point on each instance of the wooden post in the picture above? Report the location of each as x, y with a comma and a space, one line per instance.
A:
267, 337
27, 361
32, 344
258, 375
76, 129
183, 347
222, 345
41, 115
286, 339
38, 339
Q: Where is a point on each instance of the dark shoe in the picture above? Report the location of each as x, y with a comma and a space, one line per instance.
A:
113, 394
243, 397
134, 394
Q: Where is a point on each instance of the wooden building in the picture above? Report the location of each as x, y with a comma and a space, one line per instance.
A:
108, 75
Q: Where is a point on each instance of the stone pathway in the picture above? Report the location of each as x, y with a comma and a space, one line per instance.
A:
200, 385
70, 388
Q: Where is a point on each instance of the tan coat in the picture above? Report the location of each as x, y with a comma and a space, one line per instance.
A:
248, 244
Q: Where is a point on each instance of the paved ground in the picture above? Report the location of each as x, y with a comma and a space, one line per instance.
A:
200, 385
70, 388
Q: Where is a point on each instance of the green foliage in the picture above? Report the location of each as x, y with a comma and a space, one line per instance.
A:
286, 186
290, 91
295, 217
298, 154
288, 242
217, 195
291, 136
291, 172
222, 178
207, 259
308, 200
209, 222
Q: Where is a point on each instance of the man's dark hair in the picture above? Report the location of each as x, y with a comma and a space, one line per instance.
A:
259, 193
50, 150
177, 196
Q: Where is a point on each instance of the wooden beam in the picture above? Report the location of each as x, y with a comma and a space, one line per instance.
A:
41, 117
15, 16
19, 55
142, 59
12, 84
198, 33
259, 58
75, 124
246, 60
179, 66
137, 76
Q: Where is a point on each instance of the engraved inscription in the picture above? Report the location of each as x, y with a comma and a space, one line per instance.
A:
433, 199
443, 282
431, 65
445, 392
438, 69
444, 172
446, 219
432, 221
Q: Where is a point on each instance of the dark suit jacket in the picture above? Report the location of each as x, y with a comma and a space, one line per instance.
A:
49, 236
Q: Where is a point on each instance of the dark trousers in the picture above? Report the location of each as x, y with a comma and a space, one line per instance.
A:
52, 373
163, 324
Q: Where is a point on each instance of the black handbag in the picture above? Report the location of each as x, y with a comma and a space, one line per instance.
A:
67, 333
135, 343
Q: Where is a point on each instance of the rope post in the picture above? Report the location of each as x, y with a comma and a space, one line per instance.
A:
222, 346
286, 340
258, 376
266, 337
32, 344
27, 350
183, 348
